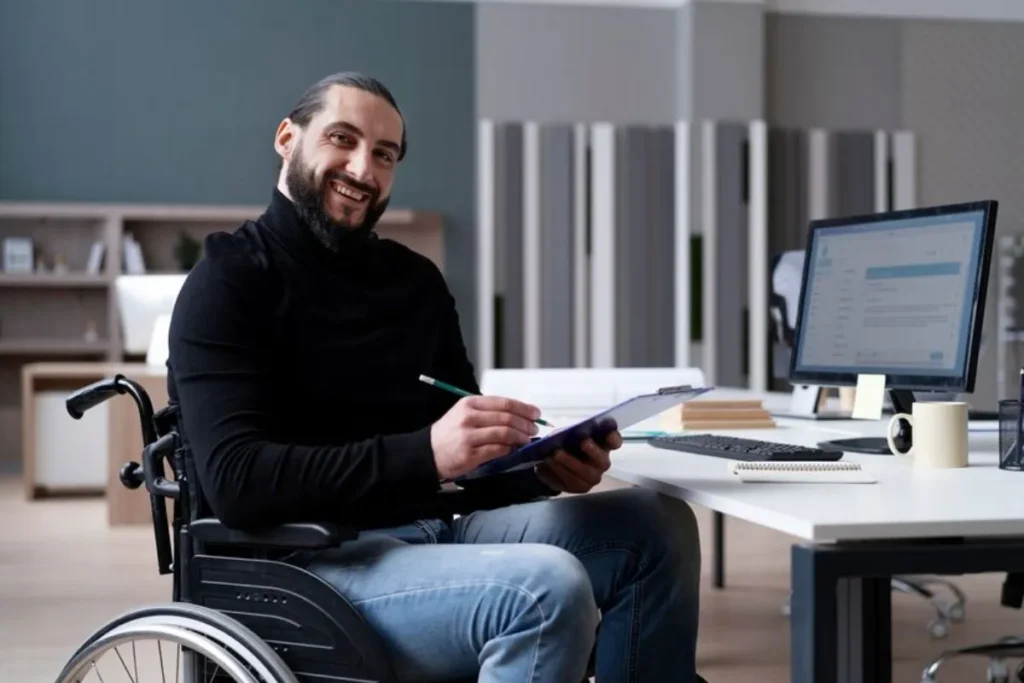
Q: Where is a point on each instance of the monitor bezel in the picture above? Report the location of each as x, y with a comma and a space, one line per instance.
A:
962, 383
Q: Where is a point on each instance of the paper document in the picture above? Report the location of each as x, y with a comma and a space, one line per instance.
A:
867, 404
801, 473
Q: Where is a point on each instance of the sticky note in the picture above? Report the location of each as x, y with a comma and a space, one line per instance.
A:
867, 404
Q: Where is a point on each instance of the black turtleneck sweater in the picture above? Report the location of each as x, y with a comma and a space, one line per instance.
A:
296, 370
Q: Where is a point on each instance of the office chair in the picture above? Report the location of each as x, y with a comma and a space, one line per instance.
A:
238, 611
783, 300
998, 651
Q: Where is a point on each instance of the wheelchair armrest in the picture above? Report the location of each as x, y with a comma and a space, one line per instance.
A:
296, 536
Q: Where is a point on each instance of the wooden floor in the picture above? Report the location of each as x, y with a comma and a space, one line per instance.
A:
63, 573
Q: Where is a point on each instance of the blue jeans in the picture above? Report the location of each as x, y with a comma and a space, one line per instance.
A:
516, 595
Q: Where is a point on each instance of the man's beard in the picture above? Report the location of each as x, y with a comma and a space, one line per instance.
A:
308, 198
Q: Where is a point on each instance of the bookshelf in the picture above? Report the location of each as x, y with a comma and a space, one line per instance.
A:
68, 312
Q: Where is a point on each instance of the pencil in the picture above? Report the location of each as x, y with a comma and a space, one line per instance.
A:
462, 392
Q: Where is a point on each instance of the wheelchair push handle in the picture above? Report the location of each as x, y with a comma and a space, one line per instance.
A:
90, 396
86, 398
155, 451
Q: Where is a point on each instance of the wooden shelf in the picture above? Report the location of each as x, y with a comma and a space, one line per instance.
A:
42, 347
53, 280
44, 315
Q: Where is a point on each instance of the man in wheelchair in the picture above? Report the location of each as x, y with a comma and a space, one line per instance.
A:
296, 345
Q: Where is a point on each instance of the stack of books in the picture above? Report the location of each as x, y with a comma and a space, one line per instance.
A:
710, 414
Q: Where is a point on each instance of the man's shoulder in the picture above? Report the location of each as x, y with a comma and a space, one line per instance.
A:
410, 260
240, 260
243, 249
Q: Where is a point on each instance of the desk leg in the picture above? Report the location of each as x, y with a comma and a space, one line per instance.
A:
718, 548
864, 618
841, 628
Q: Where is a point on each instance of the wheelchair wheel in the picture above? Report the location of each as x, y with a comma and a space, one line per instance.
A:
177, 639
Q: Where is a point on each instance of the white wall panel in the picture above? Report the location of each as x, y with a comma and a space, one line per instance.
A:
758, 255
904, 156
818, 179
602, 254
881, 171
531, 246
485, 245
580, 258
683, 206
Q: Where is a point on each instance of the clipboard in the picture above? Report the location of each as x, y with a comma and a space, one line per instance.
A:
569, 438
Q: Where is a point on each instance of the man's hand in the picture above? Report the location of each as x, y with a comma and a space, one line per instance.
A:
478, 429
571, 474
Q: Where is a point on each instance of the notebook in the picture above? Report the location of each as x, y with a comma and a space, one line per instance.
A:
801, 472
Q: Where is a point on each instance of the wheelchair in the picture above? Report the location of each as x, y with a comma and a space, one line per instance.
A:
238, 612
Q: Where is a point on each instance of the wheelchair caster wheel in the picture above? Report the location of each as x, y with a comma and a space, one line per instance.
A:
938, 628
997, 672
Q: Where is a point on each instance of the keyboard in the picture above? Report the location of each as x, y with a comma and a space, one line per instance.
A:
737, 448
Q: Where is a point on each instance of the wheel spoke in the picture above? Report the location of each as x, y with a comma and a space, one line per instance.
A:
160, 651
220, 642
129, 673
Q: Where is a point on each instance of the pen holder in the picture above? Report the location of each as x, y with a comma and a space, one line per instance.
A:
1011, 450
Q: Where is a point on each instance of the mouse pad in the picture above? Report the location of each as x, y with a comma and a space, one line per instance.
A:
569, 438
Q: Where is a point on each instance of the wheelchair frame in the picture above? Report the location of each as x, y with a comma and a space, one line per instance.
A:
314, 630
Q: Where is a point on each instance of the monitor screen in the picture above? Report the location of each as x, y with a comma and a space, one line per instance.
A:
142, 299
898, 294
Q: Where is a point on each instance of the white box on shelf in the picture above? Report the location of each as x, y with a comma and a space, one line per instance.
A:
70, 454
18, 252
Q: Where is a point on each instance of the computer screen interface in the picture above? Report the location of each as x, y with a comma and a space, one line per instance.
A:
892, 297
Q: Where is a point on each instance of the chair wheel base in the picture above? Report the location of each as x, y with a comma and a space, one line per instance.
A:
939, 629
956, 613
997, 672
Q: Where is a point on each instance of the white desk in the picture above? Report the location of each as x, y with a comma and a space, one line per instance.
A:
855, 537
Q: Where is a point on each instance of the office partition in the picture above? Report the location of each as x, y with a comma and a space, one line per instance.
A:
577, 246
619, 245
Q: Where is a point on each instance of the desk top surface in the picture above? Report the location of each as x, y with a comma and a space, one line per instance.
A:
73, 370
980, 500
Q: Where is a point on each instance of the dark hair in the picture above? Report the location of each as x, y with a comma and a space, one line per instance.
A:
312, 101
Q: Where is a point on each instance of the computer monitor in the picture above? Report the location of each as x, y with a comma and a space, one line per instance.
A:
899, 294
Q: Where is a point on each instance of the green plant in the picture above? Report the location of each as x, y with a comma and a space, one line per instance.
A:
187, 251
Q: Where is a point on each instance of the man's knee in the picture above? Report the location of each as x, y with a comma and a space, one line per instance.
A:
553, 620
560, 585
666, 526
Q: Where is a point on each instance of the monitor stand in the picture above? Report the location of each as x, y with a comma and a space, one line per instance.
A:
804, 405
902, 402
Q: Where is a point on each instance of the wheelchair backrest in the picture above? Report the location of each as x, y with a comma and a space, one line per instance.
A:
167, 420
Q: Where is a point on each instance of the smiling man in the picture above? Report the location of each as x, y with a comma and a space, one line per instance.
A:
341, 177
295, 350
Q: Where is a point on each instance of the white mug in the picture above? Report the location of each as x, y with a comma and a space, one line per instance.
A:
940, 434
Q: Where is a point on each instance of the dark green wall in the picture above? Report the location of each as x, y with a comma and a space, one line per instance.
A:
176, 101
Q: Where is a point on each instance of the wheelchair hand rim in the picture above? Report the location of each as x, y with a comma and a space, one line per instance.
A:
130, 632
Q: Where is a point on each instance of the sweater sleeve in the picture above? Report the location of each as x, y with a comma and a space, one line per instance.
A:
454, 363
220, 362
